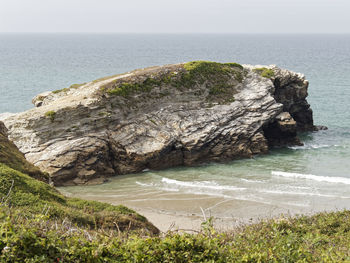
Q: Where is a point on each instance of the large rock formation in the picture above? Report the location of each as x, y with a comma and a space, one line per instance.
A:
159, 117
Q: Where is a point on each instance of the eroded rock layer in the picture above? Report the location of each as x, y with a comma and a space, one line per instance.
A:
160, 117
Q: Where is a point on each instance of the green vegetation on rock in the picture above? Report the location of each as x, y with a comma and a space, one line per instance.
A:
202, 71
265, 72
220, 80
60, 90
51, 115
73, 86
207, 68
125, 89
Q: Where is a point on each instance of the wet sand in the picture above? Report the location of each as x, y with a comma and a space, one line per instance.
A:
187, 211
186, 216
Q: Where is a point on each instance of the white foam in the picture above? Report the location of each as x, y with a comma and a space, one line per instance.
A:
342, 180
143, 184
301, 187
297, 193
201, 185
251, 181
296, 204
169, 189
311, 146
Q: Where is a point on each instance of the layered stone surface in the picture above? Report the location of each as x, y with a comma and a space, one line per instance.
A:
159, 117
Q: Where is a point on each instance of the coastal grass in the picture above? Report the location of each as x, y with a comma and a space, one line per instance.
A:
126, 89
73, 86
29, 197
202, 70
324, 237
265, 72
51, 115
13, 158
219, 79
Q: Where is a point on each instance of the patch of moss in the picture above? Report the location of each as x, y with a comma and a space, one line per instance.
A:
73, 86
218, 89
51, 115
217, 77
126, 89
220, 79
60, 90
233, 64
207, 69
153, 121
103, 113
265, 72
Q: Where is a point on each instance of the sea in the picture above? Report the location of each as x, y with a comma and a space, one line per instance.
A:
292, 180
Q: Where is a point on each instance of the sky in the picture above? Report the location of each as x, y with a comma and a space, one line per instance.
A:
180, 16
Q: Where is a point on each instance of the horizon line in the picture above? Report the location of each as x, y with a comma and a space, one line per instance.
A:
184, 33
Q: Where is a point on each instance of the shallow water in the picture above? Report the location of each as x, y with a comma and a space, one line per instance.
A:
303, 179
295, 180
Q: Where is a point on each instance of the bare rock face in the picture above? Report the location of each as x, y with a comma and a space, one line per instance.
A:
160, 117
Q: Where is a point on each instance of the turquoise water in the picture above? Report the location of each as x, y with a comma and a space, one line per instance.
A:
301, 179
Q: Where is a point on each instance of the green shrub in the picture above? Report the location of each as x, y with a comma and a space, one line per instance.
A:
73, 86
204, 70
12, 157
216, 77
265, 72
323, 237
126, 89
33, 197
60, 90
51, 115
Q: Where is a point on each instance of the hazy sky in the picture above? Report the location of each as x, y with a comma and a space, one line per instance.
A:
176, 16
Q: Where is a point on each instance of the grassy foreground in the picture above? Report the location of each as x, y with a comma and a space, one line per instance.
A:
320, 238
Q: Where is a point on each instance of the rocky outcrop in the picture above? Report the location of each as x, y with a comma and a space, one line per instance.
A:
154, 118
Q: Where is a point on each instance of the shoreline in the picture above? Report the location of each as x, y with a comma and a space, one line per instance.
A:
186, 212
166, 221
192, 223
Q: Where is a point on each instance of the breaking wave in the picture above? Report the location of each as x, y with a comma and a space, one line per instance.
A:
342, 180
201, 185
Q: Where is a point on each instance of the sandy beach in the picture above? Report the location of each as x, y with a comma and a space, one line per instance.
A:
185, 211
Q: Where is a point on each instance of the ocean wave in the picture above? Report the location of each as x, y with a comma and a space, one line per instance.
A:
298, 193
143, 184
201, 185
342, 180
296, 204
311, 146
301, 187
169, 189
251, 181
